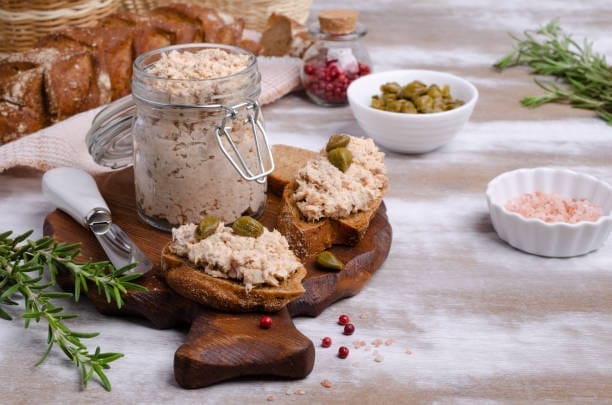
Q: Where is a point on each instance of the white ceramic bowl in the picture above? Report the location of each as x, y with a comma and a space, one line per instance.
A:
557, 239
410, 133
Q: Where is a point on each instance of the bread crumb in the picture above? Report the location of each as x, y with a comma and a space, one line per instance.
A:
408, 352
364, 315
326, 383
389, 342
270, 398
289, 391
299, 392
377, 342
358, 344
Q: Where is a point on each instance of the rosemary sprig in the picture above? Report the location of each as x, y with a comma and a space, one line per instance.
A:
22, 263
585, 77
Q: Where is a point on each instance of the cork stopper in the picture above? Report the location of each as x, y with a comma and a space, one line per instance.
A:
338, 21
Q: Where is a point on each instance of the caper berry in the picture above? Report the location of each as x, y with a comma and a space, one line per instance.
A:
341, 158
328, 260
337, 141
247, 226
207, 226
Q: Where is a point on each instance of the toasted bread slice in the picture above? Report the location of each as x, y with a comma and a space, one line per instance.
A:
287, 161
307, 238
224, 294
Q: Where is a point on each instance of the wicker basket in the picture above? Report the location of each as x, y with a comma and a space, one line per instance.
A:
254, 12
22, 22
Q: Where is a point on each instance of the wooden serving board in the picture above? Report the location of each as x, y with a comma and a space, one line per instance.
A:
222, 346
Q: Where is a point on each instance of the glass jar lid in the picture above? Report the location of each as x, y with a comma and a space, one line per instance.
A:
109, 140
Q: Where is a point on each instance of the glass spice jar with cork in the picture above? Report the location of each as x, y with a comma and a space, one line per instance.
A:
336, 58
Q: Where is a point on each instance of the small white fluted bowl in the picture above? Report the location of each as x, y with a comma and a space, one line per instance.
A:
556, 239
410, 133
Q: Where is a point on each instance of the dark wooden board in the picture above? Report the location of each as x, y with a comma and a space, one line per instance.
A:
222, 346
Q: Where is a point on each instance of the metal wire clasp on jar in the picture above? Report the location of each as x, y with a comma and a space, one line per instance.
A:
194, 132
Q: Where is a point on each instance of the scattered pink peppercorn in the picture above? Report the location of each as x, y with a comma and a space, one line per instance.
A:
343, 319
349, 329
343, 352
326, 341
265, 322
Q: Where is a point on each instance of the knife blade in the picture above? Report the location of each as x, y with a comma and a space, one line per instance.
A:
75, 192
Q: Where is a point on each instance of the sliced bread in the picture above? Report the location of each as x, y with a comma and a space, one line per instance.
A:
225, 294
308, 238
287, 161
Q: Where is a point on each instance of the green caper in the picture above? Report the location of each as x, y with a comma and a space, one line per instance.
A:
341, 158
395, 106
424, 104
337, 141
415, 97
434, 91
408, 107
328, 260
378, 103
390, 87
446, 92
387, 97
207, 226
414, 89
247, 226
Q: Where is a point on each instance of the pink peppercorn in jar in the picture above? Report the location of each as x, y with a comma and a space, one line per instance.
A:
336, 58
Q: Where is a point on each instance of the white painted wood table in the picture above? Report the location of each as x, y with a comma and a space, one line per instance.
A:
465, 317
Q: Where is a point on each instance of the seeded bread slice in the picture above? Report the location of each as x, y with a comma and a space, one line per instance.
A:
224, 294
307, 238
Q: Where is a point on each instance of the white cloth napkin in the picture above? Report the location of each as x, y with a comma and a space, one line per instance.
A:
63, 144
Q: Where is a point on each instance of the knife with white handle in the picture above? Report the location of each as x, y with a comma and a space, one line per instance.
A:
76, 193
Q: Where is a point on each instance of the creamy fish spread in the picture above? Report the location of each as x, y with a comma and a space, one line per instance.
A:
323, 191
265, 260
180, 171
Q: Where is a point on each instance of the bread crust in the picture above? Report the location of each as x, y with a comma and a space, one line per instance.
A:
104, 54
308, 238
288, 160
224, 294
284, 36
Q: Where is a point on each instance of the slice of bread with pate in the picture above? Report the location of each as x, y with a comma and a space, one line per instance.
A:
287, 161
231, 272
323, 206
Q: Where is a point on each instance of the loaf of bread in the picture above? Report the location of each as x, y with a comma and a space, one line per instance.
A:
77, 69
284, 36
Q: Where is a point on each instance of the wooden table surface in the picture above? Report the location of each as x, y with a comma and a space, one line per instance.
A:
461, 315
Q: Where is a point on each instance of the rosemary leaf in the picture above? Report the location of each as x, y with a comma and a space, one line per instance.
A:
22, 263
584, 77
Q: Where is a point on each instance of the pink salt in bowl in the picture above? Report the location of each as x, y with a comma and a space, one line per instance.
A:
550, 239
